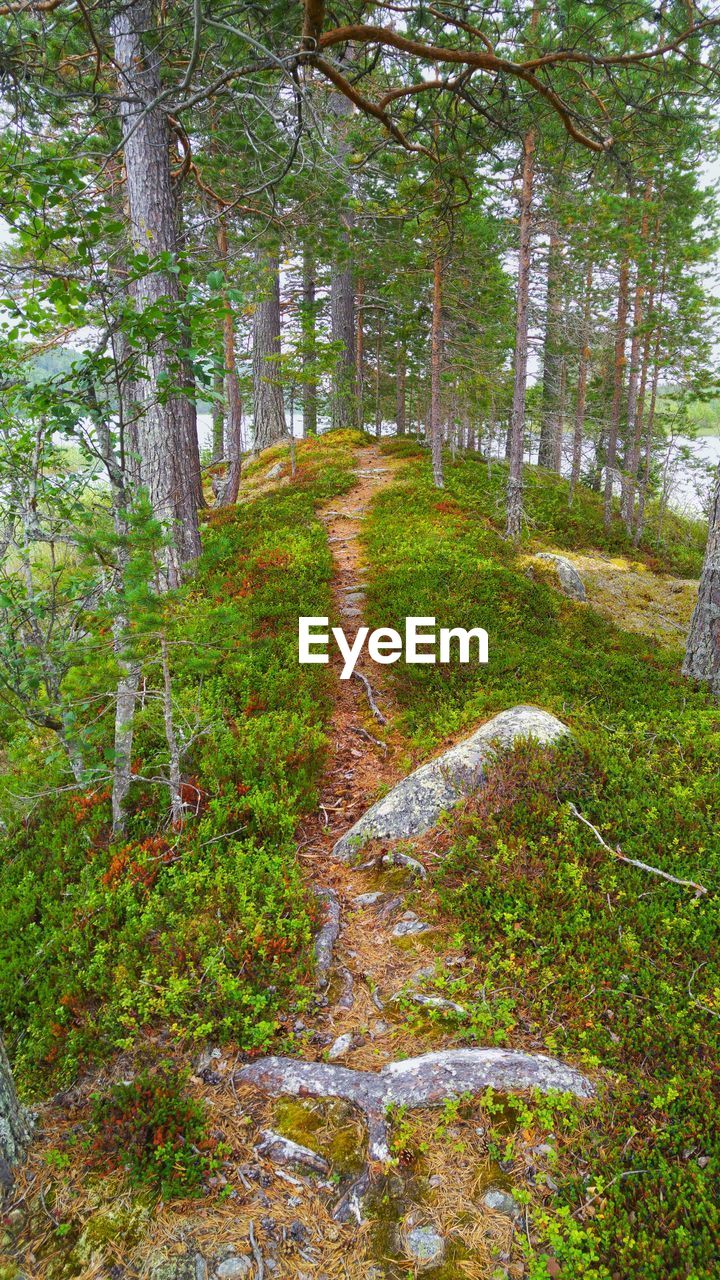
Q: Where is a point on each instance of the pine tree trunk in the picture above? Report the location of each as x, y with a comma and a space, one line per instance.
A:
516, 434
618, 385
632, 462
645, 482
400, 381
218, 420
702, 652
632, 443
342, 293
360, 352
125, 703
233, 400
342, 327
582, 385
187, 404
435, 374
309, 389
14, 1125
169, 462
268, 404
378, 378
550, 449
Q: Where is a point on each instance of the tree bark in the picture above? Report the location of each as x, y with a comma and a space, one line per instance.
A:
173, 746
342, 324
550, 449
638, 370
378, 378
233, 400
15, 1127
309, 390
649, 428
342, 293
632, 449
582, 385
632, 461
400, 381
618, 384
360, 352
516, 434
268, 405
218, 420
169, 464
435, 373
702, 652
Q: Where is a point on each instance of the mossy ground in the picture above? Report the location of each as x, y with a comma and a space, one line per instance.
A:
555, 945
569, 951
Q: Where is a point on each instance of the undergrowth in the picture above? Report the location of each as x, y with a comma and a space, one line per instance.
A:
204, 930
154, 1130
571, 951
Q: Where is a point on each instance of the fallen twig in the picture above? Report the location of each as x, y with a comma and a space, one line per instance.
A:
381, 719
634, 862
363, 733
698, 1003
257, 1252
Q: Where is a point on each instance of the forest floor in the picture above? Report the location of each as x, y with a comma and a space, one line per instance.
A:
535, 940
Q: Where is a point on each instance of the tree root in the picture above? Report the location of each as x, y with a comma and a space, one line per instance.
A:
416, 1082
381, 719
327, 936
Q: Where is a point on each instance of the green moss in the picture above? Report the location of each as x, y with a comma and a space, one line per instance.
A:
570, 950
330, 1127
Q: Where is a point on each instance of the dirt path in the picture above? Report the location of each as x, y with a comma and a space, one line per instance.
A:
369, 965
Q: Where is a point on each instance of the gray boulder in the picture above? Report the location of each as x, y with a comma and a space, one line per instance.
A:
415, 803
425, 1246
502, 1202
230, 1265
571, 584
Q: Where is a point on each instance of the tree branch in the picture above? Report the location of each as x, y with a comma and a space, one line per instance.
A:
633, 862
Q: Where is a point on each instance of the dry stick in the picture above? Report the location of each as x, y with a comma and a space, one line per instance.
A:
633, 862
257, 1253
363, 733
381, 719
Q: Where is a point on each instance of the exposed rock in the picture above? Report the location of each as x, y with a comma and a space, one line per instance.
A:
368, 899
415, 803
415, 1082
327, 935
275, 471
410, 926
346, 999
571, 584
191, 1267
340, 1047
438, 1002
232, 1266
284, 1151
425, 1246
397, 859
501, 1202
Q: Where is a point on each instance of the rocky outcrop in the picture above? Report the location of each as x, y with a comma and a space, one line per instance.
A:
416, 1082
569, 580
415, 804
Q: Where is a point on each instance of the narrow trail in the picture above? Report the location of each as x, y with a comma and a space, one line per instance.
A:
369, 966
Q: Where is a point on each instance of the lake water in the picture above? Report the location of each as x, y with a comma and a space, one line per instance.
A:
690, 465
